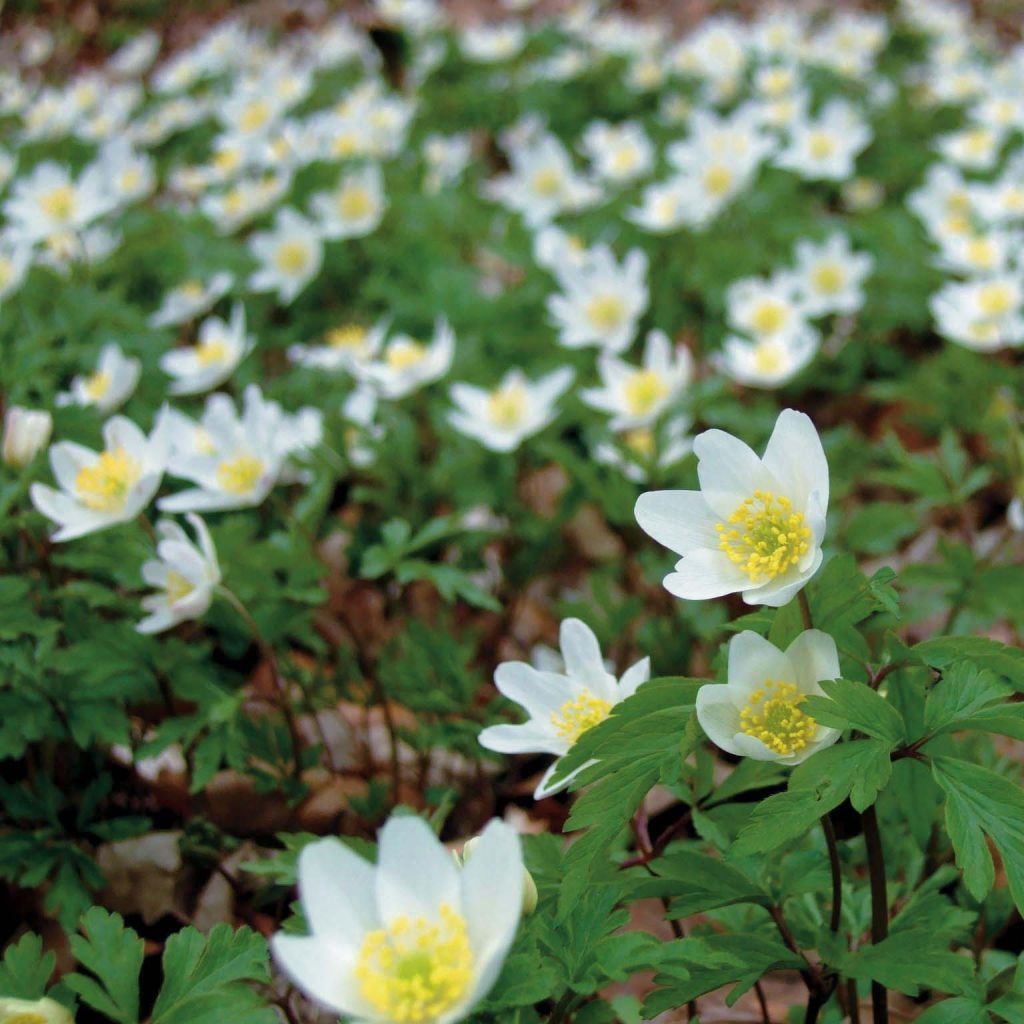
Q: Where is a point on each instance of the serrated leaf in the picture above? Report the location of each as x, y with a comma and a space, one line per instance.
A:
113, 954
1004, 661
963, 691
25, 968
696, 882
852, 705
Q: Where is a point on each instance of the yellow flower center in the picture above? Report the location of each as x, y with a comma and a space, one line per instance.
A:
211, 352
575, 717
239, 475
958, 201
254, 116
605, 312
344, 145
6, 271
291, 257
764, 536
507, 405
821, 145
640, 442
981, 253
773, 716
768, 358
347, 336
104, 485
226, 160
403, 354
192, 290
625, 159
25, 1017
177, 587
415, 969
59, 202
828, 278
131, 179
643, 391
977, 143
234, 202
354, 202
717, 180
768, 317
995, 299
97, 385
547, 182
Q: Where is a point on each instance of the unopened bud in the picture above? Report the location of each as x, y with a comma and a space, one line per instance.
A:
26, 432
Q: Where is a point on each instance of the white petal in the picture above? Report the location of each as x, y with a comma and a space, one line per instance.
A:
703, 574
796, 458
580, 650
415, 873
680, 520
752, 660
321, 971
530, 738
729, 471
814, 657
718, 716
634, 677
336, 886
540, 693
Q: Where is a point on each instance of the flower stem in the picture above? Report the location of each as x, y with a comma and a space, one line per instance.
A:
837, 878
879, 905
805, 609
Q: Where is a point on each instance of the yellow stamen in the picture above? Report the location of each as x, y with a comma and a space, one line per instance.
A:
104, 485
768, 317
575, 717
59, 202
828, 278
240, 474
717, 180
292, 257
191, 290
995, 299
643, 391
177, 587
354, 202
254, 116
764, 536
415, 969
605, 312
547, 182
640, 442
96, 385
507, 405
773, 716
347, 336
768, 358
821, 145
403, 354
211, 352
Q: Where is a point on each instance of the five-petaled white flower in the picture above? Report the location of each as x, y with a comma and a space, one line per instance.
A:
406, 364
109, 386
756, 524
191, 298
290, 255
184, 573
561, 706
220, 348
415, 939
101, 489
757, 712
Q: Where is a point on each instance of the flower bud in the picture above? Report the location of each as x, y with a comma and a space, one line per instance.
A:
34, 1011
529, 886
26, 432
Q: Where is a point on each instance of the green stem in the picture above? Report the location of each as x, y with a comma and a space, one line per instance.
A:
805, 609
562, 1007
837, 878
879, 906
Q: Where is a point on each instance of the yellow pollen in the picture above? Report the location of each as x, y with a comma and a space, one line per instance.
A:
978, 142
717, 180
226, 160
240, 474
768, 317
59, 202
624, 159
97, 385
606, 312
347, 336
575, 717
191, 290
354, 202
547, 182
643, 391
995, 299
131, 179
6, 271
177, 587
768, 358
821, 145
345, 145
764, 536
403, 354
104, 485
291, 257
981, 253
773, 716
415, 969
640, 441
254, 116
958, 201
828, 278
507, 405
25, 1017
234, 202
211, 352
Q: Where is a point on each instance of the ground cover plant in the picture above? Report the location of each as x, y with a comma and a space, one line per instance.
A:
514, 521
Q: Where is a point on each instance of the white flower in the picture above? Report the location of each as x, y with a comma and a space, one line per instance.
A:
757, 712
975, 148
826, 147
47, 201
361, 434
407, 364
109, 386
561, 706
101, 489
220, 348
619, 152
983, 314
490, 43
555, 250
414, 938
135, 57
829, 276
640, 450
636, 396
185, 573
129, 175
983, 253
766, 308
15, 259
34, 1011
446, 157
601, 301
235, 461
1015, 514
347, 347
26, 433
190, 299
769, 362
665, 206
354, 208
756, 524
290, 254
515, 410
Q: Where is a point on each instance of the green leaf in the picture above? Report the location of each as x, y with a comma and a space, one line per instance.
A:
963, 691
980, 801
858, 770
696, 882
959, 1010
25, 968
113, 954
1004, 661
204, 978
853, 705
